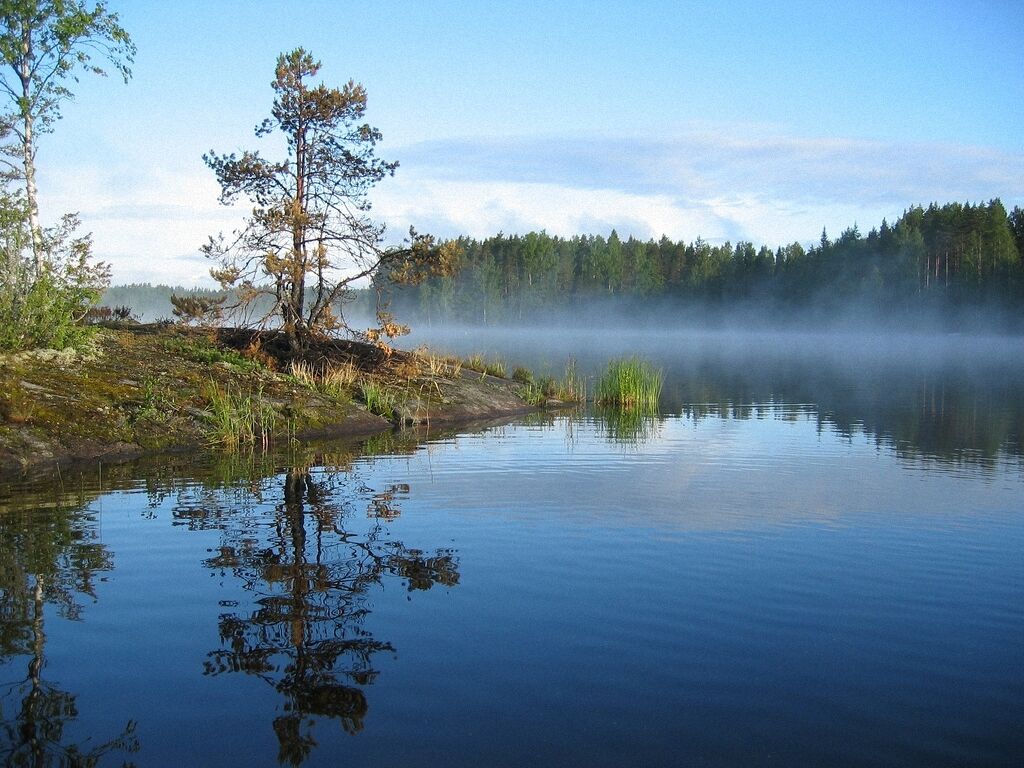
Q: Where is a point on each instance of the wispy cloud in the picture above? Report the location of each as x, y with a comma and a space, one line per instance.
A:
699, 165
150, 221
766, 188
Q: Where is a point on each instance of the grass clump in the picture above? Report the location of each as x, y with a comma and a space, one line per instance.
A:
154, 401
523, 376
334, 381
204, 352
481, 365
629, 384
378, 399
238, 419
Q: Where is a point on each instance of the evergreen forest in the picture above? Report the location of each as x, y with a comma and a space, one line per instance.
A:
950, 261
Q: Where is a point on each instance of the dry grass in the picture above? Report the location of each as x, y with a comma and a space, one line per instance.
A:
438, 365
337, 381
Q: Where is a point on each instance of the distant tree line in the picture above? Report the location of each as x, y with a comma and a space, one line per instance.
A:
950, 255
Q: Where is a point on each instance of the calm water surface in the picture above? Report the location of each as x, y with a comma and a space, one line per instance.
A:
808, 559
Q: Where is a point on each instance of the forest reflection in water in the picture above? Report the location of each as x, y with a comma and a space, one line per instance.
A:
937, 398
49, 557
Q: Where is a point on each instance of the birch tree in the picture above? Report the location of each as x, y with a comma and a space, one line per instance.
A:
44, 46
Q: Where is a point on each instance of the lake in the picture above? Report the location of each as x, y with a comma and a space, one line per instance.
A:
813, 556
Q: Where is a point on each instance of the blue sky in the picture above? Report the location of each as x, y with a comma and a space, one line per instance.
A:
730, 121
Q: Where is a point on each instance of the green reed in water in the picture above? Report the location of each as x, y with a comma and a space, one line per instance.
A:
630, 384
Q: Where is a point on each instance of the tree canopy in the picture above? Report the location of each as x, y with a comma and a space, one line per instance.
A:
309, 237
44, 44
957, 255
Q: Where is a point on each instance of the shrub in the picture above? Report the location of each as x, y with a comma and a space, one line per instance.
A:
46, 309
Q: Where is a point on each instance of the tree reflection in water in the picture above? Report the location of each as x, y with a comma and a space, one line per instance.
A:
307, 637
49, 556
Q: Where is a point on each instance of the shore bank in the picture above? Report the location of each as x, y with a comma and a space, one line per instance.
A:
146, 389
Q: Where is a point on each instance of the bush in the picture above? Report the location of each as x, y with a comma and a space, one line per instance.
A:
46, 310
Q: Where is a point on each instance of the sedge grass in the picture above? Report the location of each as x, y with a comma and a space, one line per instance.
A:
238, 419
629, 384
378, 399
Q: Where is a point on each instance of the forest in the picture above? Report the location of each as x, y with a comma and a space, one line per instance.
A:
952, 259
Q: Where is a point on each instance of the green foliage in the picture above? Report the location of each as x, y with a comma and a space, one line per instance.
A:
44, 45
378, 399
201, 351
46, 309
523, 375
154, 402
64, 39
629, 384
237, 419
954, 253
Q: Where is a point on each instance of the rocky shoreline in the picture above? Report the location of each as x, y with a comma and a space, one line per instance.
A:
147, 390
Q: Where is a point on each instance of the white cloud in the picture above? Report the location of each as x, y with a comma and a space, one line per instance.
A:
149, 221
482, 208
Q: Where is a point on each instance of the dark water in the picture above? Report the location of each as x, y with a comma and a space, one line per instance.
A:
809, 559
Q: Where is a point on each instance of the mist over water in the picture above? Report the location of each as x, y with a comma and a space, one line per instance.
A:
946, 396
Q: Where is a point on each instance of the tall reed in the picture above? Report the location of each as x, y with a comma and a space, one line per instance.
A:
629, 384
239, 419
